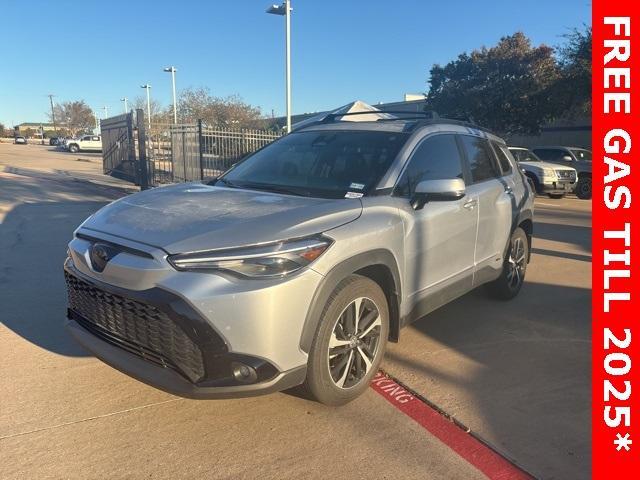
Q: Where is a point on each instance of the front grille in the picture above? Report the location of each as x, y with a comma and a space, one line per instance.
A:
137, 327
566, 175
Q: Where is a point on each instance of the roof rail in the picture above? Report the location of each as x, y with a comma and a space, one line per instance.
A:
428, 114
424, 117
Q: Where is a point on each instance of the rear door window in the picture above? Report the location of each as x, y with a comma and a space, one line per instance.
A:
480, 159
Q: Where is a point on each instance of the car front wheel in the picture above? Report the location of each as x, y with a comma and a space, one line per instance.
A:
349, 343
583, 188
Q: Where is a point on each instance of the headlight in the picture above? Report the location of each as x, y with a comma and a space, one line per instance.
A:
549, 172
272, 260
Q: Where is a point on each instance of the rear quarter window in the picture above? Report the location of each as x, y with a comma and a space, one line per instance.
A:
502, 154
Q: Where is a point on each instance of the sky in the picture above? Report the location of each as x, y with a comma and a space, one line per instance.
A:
342, 50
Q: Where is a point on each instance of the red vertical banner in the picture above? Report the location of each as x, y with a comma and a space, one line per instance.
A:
616, 297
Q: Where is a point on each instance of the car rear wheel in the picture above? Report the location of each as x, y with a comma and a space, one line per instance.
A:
73, 148
583, 188
349, 343
514, 268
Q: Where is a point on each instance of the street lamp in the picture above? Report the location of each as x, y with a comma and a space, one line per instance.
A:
173, 71
106, 111
126, 106
147, 87
285, 10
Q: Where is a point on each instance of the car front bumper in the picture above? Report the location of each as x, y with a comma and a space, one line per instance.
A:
557, 187
172, 382
194, 342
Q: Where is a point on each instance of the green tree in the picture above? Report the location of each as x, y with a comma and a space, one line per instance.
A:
505, 87
74, 116
573, 89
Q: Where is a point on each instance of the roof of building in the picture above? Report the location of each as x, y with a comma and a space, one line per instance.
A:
36, 124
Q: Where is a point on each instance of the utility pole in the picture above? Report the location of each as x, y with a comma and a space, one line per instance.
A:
53, 115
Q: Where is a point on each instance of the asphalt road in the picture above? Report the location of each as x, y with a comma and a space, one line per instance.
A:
517, 374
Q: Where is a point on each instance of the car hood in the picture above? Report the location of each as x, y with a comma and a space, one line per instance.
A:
191, 217
541, 165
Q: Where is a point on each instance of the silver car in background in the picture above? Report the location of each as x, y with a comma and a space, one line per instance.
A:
302, 261
548, 178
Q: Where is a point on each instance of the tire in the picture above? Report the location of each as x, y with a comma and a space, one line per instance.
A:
508, 285
73, 148
583, 188
339, 376
557, 196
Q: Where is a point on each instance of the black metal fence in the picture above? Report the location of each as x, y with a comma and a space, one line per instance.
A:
151, 155
118, 148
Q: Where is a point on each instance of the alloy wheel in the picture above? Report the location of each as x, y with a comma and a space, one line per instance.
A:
517, 263
354, 342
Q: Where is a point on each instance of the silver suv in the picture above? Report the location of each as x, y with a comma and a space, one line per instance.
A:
302, 261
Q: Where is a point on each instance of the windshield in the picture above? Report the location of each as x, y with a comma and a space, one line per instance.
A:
581, 154
524, 155
327, 164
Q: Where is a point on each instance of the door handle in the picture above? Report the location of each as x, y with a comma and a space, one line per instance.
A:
470, 204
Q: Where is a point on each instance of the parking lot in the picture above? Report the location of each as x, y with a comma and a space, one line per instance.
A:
516, 374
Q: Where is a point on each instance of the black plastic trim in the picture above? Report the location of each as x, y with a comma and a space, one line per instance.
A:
170, 381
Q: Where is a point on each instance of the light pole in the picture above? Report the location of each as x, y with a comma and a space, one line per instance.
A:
285, 10
173, 71
147, 87
126, 106
106, 111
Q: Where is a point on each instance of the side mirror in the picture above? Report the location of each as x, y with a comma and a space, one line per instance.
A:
437, 191
567, 158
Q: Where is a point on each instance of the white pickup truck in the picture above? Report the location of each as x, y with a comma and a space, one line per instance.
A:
85, 143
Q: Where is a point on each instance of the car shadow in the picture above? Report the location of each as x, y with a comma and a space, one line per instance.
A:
34, 232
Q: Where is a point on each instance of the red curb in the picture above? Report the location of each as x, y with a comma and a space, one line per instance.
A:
481, 456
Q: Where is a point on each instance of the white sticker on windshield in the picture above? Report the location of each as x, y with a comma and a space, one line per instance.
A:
353, 195
357, 186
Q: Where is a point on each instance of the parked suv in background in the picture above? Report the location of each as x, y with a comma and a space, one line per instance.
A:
578, 158
85, 143
302, 261
548, 178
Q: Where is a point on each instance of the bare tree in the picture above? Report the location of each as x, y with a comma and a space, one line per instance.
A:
159, 114
73, 116
231, 111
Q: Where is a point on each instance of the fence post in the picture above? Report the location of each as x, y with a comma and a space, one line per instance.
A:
142, 150
131, 154
200, 148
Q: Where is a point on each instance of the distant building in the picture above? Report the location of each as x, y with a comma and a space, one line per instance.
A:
34, 128
47, 127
